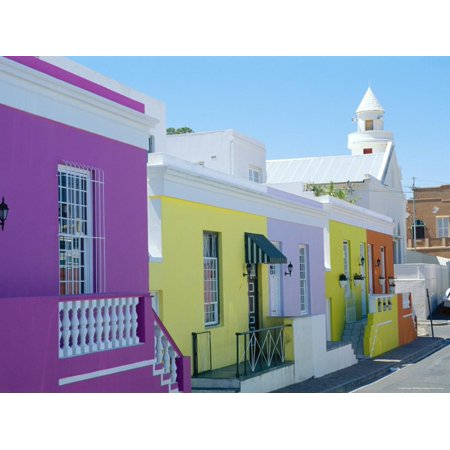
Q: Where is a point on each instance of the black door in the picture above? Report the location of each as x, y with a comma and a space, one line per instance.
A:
253, 303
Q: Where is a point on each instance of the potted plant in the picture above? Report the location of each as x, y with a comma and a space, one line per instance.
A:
343, 280
381, 279
391, 281
358, 278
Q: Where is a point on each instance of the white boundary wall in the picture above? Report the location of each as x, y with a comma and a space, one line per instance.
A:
417, 278
311, 356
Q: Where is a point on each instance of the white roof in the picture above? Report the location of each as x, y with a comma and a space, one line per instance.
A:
369, 102
320, 170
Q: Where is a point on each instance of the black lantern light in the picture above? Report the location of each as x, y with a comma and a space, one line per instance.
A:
290, 267
362, 261
3, 212
248, 267
378, 262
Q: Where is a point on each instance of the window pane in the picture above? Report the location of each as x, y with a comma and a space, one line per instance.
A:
211, 278
74, 241
442, 227
303, 272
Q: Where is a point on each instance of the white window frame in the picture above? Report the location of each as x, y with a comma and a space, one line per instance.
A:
346, 259
442, 229
255, 174
303, 270
211, 279
72, 229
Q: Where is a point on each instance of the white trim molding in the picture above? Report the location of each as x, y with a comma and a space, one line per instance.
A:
104, 372
172, 177
40, 94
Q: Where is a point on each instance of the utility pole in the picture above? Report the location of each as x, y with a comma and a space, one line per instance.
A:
413, 187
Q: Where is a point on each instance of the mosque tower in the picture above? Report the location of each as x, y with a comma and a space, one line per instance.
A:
371, 136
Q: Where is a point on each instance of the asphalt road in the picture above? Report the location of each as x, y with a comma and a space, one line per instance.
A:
430, 375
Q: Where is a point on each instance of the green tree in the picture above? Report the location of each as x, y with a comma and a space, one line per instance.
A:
182, 130
330, 189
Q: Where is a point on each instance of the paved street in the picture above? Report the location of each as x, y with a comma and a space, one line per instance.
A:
431, 375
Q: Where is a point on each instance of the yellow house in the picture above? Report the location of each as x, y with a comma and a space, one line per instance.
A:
347, 246
198, 239
360, 249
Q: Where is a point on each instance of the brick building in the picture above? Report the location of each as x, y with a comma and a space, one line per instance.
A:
432, 215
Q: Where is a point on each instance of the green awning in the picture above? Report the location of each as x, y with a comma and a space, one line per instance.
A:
259, 250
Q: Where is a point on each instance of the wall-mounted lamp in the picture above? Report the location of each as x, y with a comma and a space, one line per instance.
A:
248, 268
378, 262
290, 267
3, 212
362, 261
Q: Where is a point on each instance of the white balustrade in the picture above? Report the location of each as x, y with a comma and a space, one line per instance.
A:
380, 302
165, 354
127, 324
121, 323
114, 327
88, 326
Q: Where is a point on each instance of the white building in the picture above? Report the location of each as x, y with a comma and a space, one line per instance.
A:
226, 151
371, 173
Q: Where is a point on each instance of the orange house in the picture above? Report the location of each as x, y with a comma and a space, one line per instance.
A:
380, 257
407, 326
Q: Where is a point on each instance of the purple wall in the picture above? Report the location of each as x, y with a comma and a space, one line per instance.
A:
29, 360
31, 148
291, 236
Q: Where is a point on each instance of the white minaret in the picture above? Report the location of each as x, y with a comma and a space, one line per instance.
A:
370, 137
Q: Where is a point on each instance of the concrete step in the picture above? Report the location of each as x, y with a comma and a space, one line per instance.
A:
216, 383
215, 391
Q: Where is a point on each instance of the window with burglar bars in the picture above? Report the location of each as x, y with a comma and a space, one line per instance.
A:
303, 269
211, 277
81, 230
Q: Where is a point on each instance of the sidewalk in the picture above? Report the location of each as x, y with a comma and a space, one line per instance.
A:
367, 371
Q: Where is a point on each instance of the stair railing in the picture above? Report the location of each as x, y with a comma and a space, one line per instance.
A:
166, 351
260, 349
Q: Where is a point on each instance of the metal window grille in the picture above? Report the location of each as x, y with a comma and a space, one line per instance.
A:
303, 269
211, 278
81, 231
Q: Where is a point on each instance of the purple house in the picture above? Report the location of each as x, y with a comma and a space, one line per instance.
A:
75, 311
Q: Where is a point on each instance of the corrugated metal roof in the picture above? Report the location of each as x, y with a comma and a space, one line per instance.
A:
338, 169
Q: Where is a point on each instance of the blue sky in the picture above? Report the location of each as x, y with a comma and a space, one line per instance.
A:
302, 106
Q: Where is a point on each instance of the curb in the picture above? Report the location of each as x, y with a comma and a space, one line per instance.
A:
373, 376
436, 323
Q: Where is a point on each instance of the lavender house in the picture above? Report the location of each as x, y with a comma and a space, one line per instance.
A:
75, 312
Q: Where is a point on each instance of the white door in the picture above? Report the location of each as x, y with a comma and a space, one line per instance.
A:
350, 304
362, 255
370, 271
383, 271
275, 286
328, 317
